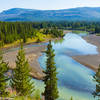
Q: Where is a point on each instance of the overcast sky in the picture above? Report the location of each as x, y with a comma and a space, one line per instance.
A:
47, 4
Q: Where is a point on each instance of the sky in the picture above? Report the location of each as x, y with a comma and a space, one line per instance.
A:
47, 4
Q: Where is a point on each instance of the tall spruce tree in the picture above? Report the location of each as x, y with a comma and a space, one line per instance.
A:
3, 77
21, 80
50, 80
97, 79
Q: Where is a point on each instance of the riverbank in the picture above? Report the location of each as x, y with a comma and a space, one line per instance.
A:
32, 54
91, 61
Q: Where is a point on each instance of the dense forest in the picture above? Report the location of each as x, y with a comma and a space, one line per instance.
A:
13, 31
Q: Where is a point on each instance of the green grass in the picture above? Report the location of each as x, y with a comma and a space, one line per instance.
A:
98, 34
78, 32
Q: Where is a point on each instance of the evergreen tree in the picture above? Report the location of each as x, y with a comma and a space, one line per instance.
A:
97, 79
50, 80
97, 29
3, 77
71, 98
21, 81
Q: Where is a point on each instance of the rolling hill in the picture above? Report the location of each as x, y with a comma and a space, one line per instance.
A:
74, 14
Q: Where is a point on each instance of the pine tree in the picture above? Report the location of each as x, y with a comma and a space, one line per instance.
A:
3, 77
97, 79
21, 81
71, 98
50, 80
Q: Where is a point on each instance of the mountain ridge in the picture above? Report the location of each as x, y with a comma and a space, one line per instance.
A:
72, 14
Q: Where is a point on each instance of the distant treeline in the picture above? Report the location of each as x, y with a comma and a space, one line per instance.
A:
93, 27
13, 31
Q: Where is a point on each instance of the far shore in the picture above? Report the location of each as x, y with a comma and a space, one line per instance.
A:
90, 61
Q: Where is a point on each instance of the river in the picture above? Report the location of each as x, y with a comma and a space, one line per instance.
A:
75, 79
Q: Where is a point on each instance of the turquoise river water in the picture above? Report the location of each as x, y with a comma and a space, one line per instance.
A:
75, 79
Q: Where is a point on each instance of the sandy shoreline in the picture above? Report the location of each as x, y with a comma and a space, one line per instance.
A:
90, 61
32, 55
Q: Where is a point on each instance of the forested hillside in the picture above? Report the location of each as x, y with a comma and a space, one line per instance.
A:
74, 14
